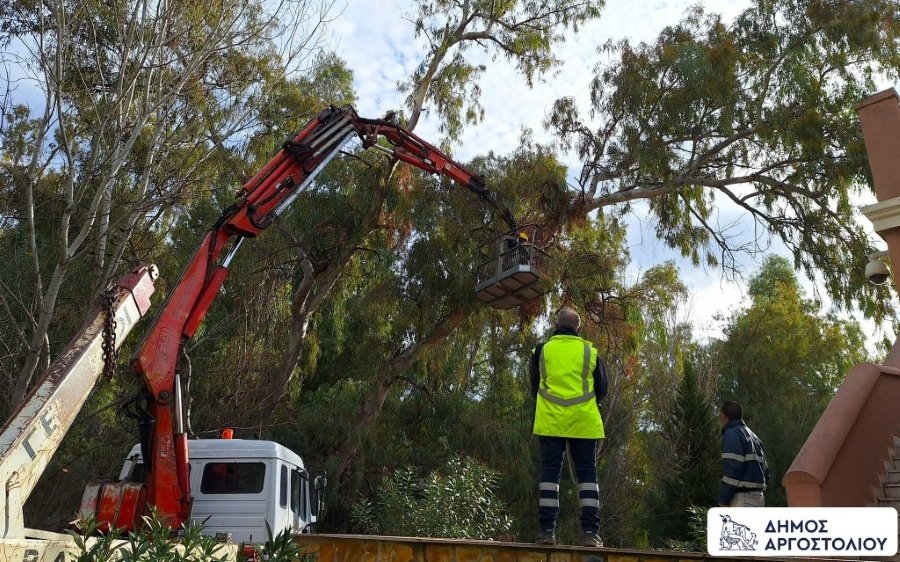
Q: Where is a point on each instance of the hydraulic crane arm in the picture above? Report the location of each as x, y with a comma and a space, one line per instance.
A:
266, 196
411, 149
260, 202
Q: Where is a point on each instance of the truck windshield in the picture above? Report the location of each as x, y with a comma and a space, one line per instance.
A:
233, 478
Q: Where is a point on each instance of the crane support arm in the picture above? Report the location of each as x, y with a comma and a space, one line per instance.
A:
34, 432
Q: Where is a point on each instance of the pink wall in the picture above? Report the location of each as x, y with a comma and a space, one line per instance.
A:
840, 463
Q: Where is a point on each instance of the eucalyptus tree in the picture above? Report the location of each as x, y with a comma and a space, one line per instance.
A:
427, 319
640, 331
119, 110
445, 83
749, 119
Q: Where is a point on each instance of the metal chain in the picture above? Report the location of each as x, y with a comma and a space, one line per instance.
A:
110, 353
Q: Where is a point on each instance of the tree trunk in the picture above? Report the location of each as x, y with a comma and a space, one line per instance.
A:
300, 314
38, 338
388, 374
306, 300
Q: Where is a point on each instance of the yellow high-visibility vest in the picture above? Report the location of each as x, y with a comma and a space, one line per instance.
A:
566, 403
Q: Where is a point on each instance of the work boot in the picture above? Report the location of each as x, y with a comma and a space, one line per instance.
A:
546, 537
591, 540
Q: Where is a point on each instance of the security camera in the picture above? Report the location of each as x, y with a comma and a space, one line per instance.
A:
877, 271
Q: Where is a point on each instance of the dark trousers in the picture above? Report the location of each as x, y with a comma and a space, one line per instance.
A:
553, 450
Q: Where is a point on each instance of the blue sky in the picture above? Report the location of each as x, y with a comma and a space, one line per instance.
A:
380, 46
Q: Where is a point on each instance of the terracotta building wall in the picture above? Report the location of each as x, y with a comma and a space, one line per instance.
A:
841, 460
861, 459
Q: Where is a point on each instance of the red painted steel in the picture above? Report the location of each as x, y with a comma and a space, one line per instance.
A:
159, 352
133, 498
207, 296
278, 159
171, 500
119, 505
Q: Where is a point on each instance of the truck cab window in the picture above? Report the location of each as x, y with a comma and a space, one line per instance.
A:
295, 491
233, 478
304, 499
283, 489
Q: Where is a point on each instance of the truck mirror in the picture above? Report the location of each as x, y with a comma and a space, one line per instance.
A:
317, 504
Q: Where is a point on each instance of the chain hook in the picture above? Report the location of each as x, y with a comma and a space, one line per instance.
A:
110, 353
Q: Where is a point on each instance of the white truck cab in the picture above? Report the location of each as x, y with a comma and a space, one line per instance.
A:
240, 485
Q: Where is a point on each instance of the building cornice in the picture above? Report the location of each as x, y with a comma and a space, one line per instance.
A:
884, 215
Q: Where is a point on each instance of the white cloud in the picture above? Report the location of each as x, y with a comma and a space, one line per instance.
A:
712, 303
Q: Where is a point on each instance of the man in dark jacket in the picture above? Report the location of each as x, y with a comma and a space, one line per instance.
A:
745, 471
568, 381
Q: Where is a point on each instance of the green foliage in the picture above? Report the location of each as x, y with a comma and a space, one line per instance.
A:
156, 542
459, 501
139, 111
753, 119
646, 354
521, 31
153, 542
690, 431
696, 536
278, 548
783, 360
93, 546
776, 277
398, 365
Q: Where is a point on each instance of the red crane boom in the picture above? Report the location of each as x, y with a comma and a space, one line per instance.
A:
260, 202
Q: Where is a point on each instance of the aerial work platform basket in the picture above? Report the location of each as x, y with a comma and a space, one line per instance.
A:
512, 273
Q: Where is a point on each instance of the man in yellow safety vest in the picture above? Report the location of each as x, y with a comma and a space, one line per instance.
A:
568, 380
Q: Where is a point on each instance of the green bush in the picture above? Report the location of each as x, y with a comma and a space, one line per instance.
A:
155, 542
457, 502
696, 538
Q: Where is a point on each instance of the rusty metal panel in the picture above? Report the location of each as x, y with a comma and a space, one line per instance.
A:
347, 548
398, 551
615, 558
438, 553
518, 556
371, 548
470, 554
